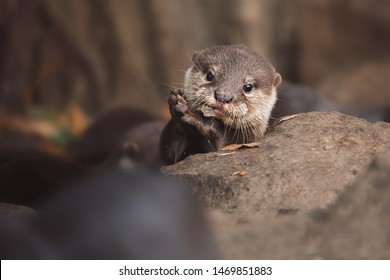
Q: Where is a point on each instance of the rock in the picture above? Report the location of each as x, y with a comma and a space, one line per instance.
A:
302, 164
358, 225
255, 236
110, 215
277, 208
17, 211
30, 177
123, 215
17, 239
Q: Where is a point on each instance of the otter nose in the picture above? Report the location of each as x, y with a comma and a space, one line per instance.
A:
222, 98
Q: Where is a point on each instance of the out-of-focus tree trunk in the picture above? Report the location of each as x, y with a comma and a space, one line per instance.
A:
99, 53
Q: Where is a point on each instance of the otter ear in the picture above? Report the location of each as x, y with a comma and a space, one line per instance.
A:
277, 80
131, 149
240, 46
195, 57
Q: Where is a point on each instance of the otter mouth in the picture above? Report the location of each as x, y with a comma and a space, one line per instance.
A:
218, 109
214, 110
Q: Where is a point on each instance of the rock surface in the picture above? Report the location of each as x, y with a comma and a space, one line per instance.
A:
358, 225
301, 164
262, 202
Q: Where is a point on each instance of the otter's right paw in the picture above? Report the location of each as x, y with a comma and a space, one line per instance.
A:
177, 104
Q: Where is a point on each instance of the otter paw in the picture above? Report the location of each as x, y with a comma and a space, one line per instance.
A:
177, 104
181, 105
177, 91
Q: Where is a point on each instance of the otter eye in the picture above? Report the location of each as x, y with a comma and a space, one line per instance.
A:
209, 76
248, 88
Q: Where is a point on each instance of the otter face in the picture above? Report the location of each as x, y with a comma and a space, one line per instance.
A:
232, 84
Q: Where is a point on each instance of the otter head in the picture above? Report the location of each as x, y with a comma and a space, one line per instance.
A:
234, 85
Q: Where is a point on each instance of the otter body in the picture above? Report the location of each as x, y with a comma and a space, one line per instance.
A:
106, 133
228, 96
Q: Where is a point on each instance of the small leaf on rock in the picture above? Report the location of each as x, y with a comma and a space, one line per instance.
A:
234, 147
240, 173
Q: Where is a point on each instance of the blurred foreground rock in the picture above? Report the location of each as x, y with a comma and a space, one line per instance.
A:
110, 215
263, 202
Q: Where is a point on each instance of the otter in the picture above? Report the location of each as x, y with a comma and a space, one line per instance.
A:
139, 148
106, 133
228, 96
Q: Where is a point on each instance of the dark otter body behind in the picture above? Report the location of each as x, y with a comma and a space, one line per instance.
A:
228, 96
106, 133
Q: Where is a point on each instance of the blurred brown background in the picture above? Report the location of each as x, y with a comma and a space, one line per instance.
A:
83, 57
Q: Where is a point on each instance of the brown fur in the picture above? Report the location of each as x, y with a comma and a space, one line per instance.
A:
210, 114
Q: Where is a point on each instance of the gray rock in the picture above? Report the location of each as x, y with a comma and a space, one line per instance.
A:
17, 211
302, 164
358, 225
277, 208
